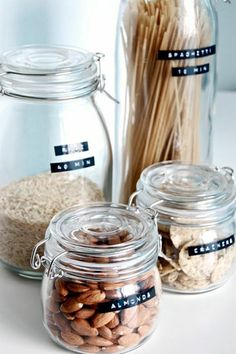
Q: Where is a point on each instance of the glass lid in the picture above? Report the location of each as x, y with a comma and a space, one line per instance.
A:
189, 186
50, 72
35, 60
100, 236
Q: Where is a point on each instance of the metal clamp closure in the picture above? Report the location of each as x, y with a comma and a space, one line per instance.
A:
53, 271
102, 78
36, 261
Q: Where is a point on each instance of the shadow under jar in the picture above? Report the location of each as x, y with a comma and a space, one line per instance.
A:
196, 207
101, 288
55, 148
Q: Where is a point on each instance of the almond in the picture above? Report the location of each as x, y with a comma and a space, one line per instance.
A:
129, 340
77, 287
89, 348
121, 330
101, 319
144, 330
114, 322
141, 317
83, 327
71, 305
69, 316
128, 314
105, 332
53, 306
151, 303
57, 297
60, 286
99, 341
72, 338
61, 322
91, 297
85, 313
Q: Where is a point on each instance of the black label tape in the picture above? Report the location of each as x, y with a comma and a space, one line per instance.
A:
186, 54
127, 302
72, 165
71, 148
191, 70
211, 247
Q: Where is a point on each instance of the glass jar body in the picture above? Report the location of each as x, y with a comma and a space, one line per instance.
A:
55, 154
196, 258
166, 80
196, 219
108, 295
88, 316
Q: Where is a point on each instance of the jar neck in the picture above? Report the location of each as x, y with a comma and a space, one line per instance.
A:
48, 87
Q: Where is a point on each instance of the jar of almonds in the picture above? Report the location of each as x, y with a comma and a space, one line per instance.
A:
196, 207
101, 287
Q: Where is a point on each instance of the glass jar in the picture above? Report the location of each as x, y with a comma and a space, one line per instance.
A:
166, 71
101, 289
55, 149
196, 207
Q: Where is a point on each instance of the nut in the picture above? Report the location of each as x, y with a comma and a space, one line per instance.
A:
99, 341
101, 319
78, 322
61, 322
72, 338
121, 330
129, 340
144, 330
71, 305
91, 297
128, 314
85, 313
83, 328
114, 322
105, 332
61, 287
77, 287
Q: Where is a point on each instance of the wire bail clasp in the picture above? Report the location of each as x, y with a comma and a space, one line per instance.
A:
53, 271
36, 260
102, 78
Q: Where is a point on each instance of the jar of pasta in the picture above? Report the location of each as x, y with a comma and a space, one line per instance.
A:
166, 64
101, 288
196, 207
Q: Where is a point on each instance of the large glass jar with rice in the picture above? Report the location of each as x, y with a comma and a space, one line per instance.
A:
55, 149
196, 208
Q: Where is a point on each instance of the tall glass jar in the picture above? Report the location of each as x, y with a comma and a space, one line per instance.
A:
166, 80
196, 219
55, 149
101, 288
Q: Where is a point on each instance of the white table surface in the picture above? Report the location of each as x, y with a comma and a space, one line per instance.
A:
188, 324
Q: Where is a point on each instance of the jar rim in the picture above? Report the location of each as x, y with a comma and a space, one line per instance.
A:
186, 190
48, 72
103, 237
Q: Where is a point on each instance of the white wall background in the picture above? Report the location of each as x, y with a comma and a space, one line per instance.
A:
227, 45
91, 24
